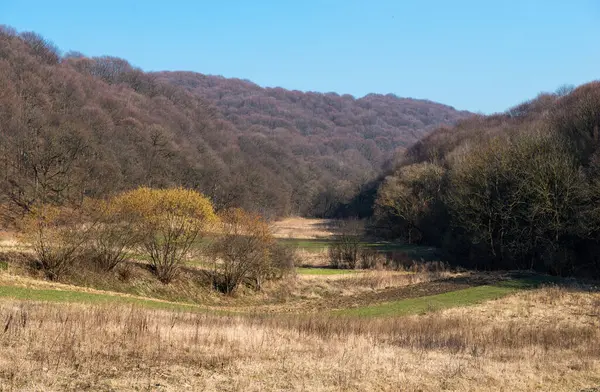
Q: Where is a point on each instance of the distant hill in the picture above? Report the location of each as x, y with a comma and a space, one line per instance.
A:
388, 120
73, 126
347, 140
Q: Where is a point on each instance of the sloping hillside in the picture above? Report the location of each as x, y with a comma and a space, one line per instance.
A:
72, 126
515, 190
387, 120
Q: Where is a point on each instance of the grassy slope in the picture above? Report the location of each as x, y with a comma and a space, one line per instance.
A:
324, 271
55, 295
465, 297
431, 303
470, 296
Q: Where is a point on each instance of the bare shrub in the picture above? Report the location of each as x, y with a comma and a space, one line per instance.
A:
57, 236
242, 251
371, 258
113, 233
398, 260
428, 266
344, 251
284, 259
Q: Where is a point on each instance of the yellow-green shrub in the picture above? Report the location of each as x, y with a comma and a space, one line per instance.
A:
168, 222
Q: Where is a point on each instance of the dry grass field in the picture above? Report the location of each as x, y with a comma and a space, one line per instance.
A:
317, 330
8, 240
545, 340
303, 228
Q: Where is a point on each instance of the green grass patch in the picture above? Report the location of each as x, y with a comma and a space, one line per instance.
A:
465, 297
314, 245
3, 265
53, 295
417, 252
324, 271
319, 245
430, 303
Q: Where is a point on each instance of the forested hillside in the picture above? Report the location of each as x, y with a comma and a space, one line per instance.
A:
343, 141
72, 126
374, 124
519, 189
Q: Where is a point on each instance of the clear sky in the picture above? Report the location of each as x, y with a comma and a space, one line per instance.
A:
475, 55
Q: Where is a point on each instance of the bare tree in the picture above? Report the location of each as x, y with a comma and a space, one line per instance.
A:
242, 251
344, 251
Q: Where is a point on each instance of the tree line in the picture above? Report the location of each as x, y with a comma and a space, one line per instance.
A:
73, 127
515, 190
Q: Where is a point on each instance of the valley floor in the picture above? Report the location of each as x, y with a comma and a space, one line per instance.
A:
472, 332
320, 330
545, 339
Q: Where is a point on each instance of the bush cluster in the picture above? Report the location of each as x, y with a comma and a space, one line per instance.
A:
166, 226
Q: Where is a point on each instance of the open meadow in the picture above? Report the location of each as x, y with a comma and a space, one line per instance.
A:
254, 202
320, 329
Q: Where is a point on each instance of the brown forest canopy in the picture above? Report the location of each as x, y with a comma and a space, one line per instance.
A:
72, 126
513, 190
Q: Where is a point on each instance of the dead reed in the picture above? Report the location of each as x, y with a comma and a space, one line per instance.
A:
548, 338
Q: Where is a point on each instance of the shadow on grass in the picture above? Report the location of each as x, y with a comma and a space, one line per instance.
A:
485, 287
71, 296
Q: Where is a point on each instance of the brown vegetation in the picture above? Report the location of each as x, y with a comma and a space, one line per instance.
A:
545, 339
68, 121
303, 228
57, 237
516, 190
246, 250
112, 234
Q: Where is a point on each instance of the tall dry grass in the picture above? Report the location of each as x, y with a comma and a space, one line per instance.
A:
508, 344
360, 283
306, 228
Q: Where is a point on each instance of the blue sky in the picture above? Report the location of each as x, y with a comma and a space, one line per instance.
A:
475, 55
